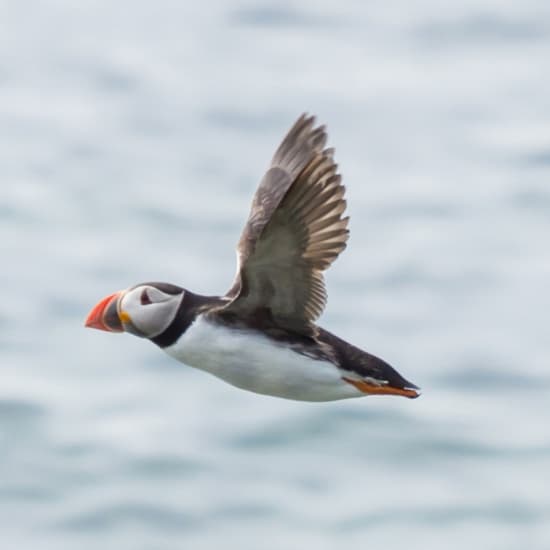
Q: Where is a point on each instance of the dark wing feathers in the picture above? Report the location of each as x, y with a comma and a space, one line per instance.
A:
295, 230
298, 145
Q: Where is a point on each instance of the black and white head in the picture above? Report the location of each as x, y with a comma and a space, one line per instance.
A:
145, 310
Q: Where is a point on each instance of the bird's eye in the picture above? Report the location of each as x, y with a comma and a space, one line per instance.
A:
144, 298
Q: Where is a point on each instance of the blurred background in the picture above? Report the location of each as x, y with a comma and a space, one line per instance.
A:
132, 137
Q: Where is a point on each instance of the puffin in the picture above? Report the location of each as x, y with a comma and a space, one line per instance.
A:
262, 335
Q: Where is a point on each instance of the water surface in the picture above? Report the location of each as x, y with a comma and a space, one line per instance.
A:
132, 136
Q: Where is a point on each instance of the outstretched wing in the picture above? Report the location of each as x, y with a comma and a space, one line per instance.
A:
294, 232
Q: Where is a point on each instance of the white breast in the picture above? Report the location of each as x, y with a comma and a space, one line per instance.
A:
251, 361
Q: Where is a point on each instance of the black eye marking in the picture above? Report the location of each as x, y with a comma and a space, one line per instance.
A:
144, 298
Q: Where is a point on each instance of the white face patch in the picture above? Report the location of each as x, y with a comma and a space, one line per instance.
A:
147, 311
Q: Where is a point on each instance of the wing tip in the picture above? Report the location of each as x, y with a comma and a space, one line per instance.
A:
301, 143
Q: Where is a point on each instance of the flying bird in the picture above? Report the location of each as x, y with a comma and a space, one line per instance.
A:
262, 335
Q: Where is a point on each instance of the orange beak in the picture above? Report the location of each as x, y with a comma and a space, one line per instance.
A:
104, 315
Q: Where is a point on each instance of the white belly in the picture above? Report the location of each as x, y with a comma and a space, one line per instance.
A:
253, 362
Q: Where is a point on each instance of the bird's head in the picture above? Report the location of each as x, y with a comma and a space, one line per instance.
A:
145, 310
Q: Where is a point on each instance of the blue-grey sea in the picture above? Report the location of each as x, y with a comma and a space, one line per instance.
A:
132, 137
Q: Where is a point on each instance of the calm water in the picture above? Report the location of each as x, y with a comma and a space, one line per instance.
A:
132, 136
